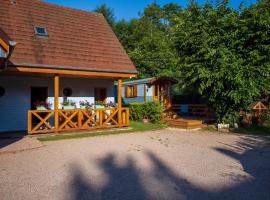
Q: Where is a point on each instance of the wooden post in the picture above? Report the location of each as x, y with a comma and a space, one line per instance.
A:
29, 122
56, 101
119, 98
145, 92
170, 93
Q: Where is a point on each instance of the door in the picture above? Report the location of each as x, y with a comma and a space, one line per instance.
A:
156, 91
100, 95
38, 94
166, 94
161, 93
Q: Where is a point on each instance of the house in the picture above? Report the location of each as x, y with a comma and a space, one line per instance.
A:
52, 56
149, 89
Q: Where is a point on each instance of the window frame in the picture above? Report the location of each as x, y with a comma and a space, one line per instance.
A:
3, 53
131, 91
41, 34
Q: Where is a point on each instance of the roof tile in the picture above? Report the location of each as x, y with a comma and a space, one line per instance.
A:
76, 38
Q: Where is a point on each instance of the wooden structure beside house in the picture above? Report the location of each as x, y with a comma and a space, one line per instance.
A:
54, 55
150, 89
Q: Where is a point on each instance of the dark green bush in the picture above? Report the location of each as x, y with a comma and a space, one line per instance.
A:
149, 110
266, 118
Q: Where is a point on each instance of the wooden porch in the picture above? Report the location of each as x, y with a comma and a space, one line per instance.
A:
77, 119
60, 120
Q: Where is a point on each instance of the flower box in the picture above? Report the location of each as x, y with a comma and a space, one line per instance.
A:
41, 108
100, 106
69, 107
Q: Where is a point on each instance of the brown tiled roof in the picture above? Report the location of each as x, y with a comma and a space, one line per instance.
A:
77, 39
4, 36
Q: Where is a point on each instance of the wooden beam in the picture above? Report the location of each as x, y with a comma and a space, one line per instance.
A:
71, 72
119, 98
4, 45
56, 100
145, 92
170, 93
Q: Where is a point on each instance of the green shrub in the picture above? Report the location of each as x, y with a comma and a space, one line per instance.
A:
266, 118
149, 110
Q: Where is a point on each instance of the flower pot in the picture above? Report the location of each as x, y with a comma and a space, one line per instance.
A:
225, 128
145, 121
100, 106
41, 108
68, 107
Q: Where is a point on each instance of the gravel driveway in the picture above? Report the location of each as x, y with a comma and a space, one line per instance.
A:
167, 164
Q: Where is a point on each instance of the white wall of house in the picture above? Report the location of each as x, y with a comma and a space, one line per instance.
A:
17, 98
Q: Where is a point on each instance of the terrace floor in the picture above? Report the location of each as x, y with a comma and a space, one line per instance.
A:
162, 164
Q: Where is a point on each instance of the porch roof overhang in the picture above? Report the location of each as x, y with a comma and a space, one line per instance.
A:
150, 80
69, 70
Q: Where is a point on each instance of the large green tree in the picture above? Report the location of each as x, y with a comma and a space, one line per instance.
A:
223, 54
212, 49
107, 12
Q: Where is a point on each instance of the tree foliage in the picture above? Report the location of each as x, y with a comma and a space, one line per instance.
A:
217, 51
107, 12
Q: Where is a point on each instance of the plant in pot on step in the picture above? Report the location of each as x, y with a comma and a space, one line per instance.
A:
85, 104
42, 105
145, 116
68, 104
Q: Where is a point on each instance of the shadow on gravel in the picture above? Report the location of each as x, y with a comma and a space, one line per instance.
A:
129, 183
10, 138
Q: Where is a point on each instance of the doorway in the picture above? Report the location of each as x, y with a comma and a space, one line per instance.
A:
100, 95
38, 94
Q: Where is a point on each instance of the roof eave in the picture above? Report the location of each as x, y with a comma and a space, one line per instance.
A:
45, 66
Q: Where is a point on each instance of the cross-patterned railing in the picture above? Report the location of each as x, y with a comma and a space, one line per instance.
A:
46, 121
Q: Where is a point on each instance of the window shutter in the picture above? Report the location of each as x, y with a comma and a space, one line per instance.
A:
126, 91
135, 90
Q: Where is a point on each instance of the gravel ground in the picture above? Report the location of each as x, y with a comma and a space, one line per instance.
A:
167, 164
17, 144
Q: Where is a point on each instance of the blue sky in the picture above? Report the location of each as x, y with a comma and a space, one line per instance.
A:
128, 9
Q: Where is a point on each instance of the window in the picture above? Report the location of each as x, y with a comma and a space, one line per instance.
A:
3, 54
2, 91
41, 31
131, 91
67, 92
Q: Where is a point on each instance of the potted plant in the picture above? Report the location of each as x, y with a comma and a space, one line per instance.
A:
85, 104
42, 105
111, 105
99, 104
69, 104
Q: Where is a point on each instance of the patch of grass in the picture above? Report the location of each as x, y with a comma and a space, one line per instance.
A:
135, 127
255, 130
210, 128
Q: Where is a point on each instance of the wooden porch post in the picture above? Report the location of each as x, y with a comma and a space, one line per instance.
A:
119, 98
56, 100
170, 93
145, 92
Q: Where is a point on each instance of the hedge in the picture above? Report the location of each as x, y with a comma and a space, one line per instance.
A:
148, 110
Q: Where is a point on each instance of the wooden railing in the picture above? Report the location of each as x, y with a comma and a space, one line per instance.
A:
43, 121
194, 109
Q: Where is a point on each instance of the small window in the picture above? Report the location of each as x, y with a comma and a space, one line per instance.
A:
67, 92
131, 91
3, 54
2, 91
41, 31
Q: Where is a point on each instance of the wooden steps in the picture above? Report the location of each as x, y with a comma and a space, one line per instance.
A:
185, 123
